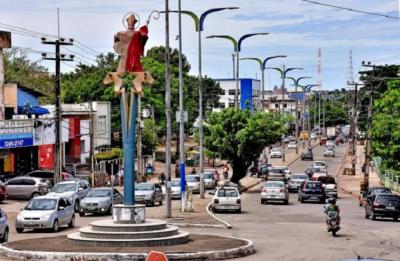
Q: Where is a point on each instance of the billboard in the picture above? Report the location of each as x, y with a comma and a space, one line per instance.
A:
45, 131
16, 133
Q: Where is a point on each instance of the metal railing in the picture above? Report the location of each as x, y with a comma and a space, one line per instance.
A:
389, 178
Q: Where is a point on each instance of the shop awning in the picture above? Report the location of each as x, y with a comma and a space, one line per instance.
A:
36, 110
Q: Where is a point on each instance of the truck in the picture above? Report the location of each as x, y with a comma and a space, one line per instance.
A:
331, 132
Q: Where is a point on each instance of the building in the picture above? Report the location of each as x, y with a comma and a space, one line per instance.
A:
249, 92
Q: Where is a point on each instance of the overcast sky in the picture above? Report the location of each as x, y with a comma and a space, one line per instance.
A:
296, 29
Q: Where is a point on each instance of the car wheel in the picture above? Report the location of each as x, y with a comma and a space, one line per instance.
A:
55, 226
153, 203
214, 210
82, 213
286, 202
239, 211
373, 217
19, 230
76, 206
5, 236
301, 200
71, 224
396, 218
110, 210
262, 201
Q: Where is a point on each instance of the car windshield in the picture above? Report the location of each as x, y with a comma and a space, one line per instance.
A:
319, 164
300, 177
292, 143
41, 204
175, 183
313, 185
99, 193
191, 178
389, 199
274, 184
276, 150
381, 191
276, 171
327, 180
64, 187
208, 175
227, 193
144, 186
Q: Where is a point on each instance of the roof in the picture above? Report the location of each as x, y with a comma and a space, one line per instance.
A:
31, 91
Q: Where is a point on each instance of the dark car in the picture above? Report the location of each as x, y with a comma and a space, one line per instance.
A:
383, 205
311, 190
307, 155
276, 174
372, 191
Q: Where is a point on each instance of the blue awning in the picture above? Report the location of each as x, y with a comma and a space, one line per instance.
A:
35, 110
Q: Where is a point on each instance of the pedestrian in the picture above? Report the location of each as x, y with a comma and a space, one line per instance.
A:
120, 175
162, 178
193, 172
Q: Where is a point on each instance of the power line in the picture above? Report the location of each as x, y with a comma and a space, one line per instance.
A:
351, 9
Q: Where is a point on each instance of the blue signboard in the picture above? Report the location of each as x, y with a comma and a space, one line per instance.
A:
16, 133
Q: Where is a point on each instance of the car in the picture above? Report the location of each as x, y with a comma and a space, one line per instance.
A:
46, 212
329, 185
148, 193
317, 174
73, 190
285, 170
383, 205
329, 152
48, 175
286, 140
319, 164
330, 144
226, 199
307, 155
276, 152
208, 178
322, 141
100, 200
26, 187
193, 183
292, 138
313, 136
296, 180
292, 145
372, 191
311, 190
4, 229
274, 191
3, 191
175, 188
276, 174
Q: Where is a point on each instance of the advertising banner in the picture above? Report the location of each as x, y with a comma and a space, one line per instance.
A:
16, 133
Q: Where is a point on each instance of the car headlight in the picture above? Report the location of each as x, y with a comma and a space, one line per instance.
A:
20, 217
45, 217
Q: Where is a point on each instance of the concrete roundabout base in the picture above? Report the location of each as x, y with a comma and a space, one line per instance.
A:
199, 247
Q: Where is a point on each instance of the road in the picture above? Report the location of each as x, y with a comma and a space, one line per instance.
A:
298, 232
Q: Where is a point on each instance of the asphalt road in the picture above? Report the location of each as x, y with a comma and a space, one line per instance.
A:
298, 232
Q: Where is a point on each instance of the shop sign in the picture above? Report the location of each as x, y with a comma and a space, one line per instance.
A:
16, 133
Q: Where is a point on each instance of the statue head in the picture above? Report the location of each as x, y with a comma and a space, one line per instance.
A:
131, 21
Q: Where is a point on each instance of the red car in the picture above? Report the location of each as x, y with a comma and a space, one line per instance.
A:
3, 191
322, 141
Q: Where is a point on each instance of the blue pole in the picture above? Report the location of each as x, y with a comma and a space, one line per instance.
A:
129, 139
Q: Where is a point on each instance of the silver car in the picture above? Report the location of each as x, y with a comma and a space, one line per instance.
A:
329, 152
26, 187
175, 188
74, 191
193, 183
276, 153
100, 200
296, 180
46, 212
274, 191
292, 145
148, 193
4, 230
208, 180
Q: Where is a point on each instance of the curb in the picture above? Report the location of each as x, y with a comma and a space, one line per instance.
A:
226, 224
241, 251
197, 225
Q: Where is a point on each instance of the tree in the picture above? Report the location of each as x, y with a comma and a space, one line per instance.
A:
158, 53
240, 136
386, 122
149, 136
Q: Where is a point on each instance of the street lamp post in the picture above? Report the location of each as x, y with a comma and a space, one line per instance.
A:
237, 46
262, 64
199, 27
306, 89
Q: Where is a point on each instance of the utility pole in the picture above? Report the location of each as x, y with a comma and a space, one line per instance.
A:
233, 63
323, 113
57, 99
91, 131
353, 127
139, 176
167, 112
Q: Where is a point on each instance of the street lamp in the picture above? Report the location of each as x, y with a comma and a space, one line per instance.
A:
199, 27
237, 46
262, 64
305, 89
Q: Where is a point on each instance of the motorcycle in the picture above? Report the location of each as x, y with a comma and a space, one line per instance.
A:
332, 221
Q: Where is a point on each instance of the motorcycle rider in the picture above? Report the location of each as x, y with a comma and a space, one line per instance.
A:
332, 207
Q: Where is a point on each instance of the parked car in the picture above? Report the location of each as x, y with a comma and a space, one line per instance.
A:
26, 187
276, 153
4, 229
227, 199
100, 200
48, 175
296, 180
175, 188
276, 174
307, 155
193, 183
46, 212
292, 145
329, 152
311, 190
274, 191
3, 191
208, 180
329, 185
148, 193
383, 205
372, 191
322, 141
73, 190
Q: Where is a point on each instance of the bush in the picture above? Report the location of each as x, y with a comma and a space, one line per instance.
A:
115, 153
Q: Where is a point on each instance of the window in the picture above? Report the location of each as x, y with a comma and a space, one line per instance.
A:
232, 92
83, 147
284, 105
222, 92
102, 124
276, 105
221, 105
231, 105
227, 193
29, 182
15, 182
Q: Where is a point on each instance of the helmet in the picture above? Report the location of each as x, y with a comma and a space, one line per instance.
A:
332, 200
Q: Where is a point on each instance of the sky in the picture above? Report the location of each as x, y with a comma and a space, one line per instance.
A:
296, 29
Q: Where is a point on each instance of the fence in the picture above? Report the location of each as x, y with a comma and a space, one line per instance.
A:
389, 178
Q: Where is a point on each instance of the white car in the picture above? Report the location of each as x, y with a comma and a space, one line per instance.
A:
208, 180
74, 191
274, 191
296, 180
227, 199
313, 136
330, 143
4, 230
292, 145
329, 152
193, 183
46, 212
276, 153
176, 188
319, 164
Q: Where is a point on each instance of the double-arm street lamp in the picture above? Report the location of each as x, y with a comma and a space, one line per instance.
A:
237, 46
199, 27
305, 89
263, 64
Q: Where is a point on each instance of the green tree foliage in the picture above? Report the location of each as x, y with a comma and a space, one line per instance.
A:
149, 136
240, 136
19, 69
386, 122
